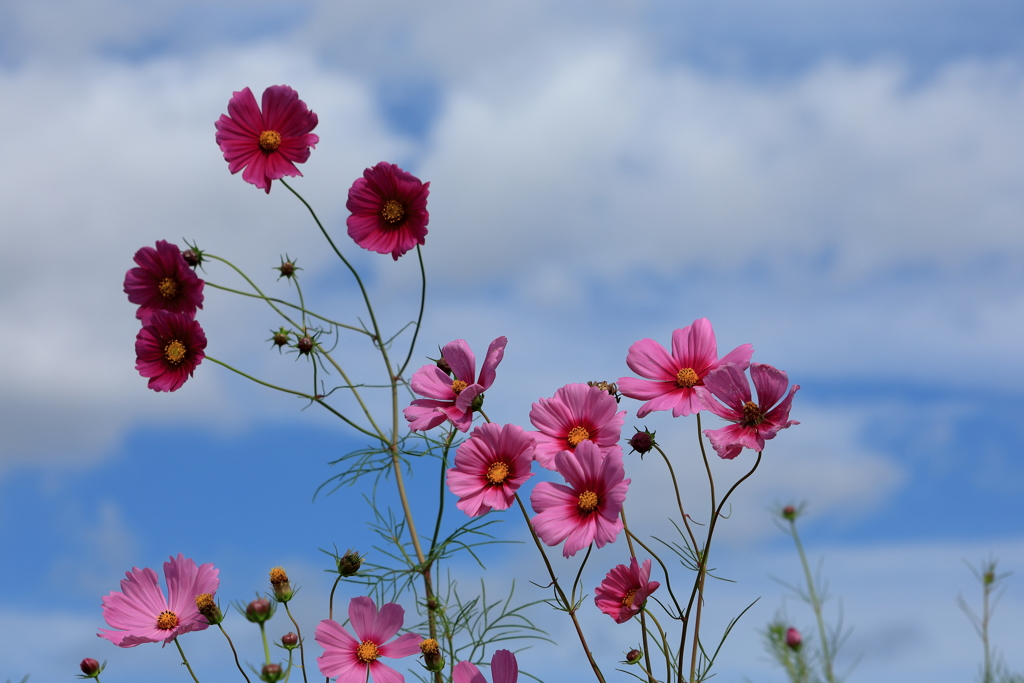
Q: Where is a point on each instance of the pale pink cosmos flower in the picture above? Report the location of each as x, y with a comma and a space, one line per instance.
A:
266, 144
576, 413
490, 467
353, 660
452, 398
141, 613
672, 379
504, 669
389, 210
754, 422
624, 590
587, 510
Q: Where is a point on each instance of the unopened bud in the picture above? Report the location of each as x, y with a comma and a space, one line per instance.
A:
989, 578
793, 639
634, 656
287, 269
271, 673
259, 610
610, 387
432, 658
478, 402
290, 640
789, 512
90, 668
208, 608
279, 581
192, 257
642, 442
349, 563
304, 345
443, 365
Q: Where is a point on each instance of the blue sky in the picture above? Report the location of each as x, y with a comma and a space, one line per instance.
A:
839, 184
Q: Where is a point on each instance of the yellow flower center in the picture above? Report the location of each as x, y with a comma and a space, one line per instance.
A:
174, 352
270, 140
167, 620
430, 647
392, 211
497, 472
577, 435
168, 288
367, 652
458, 385
752, 415
687, 378
278, 576
588, 501
627, 599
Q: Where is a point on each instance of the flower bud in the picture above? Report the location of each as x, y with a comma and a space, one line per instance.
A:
90, 668
789, 512
282, 587
443, 365
349, 563
610, 387
432, 659
304, 345
290, 640
793, 639
634, 656
642, 442
287, 269
280, 337
192, 257
271, 673
208, 608
478, 402
259, 610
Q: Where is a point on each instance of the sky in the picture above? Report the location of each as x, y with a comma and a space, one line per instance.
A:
839, 184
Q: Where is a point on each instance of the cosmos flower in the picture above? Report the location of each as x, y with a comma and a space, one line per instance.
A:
504, 669
587, 510
448, 398
389, 210
141, 613
624, 590
575, 414
266, 144
754, 423
168, 349
352, 660
672, 379
490, 467
163, 282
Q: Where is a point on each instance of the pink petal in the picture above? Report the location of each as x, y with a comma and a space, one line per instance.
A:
649, 359
403, 646
770, 383
729, 384
362, 613
739, 356
382, 673
695, 347
495, 352
386, 624
504, 668
461, 360
466, 672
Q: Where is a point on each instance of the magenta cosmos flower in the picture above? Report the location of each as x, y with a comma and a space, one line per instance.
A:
163, 282
576, 413
754, 423
389, 210
353, 660
266, 144
168, 349
504, 669
490, 467
587, 510
141, 613
448, 398
672, 379
624, 590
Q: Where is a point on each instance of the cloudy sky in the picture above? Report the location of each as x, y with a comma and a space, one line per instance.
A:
839, 184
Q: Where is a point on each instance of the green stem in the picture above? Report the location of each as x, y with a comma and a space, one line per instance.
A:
289, 673
679, 500
664, 647
643, 620
184, 660
266, 645
330, 602
302, 650
234, 652
275, 300
419, 318
812, 593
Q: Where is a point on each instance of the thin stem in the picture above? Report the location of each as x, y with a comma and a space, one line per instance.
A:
290, 305
419, 318
440, 498
289, 674
643, 620
576, 583
707, 466
266, 645
812, 593
330, 602
664, 647
302, 650
668, 580
234, 652
679, 500
554, 581
355, 392
184, 660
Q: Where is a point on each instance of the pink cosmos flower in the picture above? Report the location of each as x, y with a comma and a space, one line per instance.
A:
141, 613
575, 414
490, 467
389, 210
587, 510
754, 422
452, 399
352, 660
268, 144
624, 590
168, 348
163, 282
672, 379
504, 669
